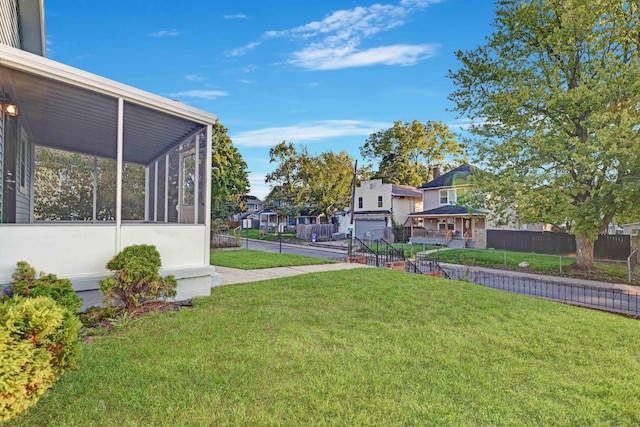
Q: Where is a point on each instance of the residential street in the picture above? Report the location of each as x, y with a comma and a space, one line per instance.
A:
337, 253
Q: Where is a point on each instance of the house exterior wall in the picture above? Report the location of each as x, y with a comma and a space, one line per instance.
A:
431, 199
180, 245
9, 28
403, 207
66, 250
370, 191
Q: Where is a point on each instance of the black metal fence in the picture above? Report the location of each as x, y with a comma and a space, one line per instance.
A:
609, 299
376, 252
425, 265
611, 247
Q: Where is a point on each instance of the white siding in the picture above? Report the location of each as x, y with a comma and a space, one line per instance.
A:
66, 250
9, 28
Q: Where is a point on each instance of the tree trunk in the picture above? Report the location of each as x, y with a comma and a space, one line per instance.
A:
584, 251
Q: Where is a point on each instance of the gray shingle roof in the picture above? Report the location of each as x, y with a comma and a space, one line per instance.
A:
449, 210
457, 176
405, 190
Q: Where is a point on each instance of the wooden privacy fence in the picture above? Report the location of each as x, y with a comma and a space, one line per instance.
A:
613, 247
322, 232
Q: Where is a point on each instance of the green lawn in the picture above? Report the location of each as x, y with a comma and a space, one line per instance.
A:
367, 347
248, 259
543, 264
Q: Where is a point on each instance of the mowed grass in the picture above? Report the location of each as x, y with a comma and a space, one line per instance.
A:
496, 259
538, 263
364, 347
248, 259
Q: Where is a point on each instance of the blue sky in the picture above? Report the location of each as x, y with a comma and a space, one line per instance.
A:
320, 73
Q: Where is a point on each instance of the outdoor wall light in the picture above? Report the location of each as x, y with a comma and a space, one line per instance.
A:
8, 107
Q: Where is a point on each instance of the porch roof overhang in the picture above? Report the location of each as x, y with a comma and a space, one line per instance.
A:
77, 111
448, 211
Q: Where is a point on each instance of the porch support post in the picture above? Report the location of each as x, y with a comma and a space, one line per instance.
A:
147, 184
95, 189
166, 188
206, 195
119, 175
196, 183
155, 193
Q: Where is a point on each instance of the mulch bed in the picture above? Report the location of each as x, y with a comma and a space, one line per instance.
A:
136, 313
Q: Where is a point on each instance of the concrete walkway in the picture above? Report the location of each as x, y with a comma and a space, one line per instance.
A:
236, 275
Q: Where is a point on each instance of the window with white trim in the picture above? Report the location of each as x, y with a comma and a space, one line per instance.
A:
379, 201
448, 197
359, 202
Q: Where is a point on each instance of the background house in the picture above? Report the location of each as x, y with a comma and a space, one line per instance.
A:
445, 218
253, 204
378, 206
89, 166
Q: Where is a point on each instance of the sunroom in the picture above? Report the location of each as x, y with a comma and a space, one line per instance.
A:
89, 166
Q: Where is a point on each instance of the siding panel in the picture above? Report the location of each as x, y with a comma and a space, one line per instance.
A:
9, 28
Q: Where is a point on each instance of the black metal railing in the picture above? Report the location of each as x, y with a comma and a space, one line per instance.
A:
423, 264
376, 252
609, 299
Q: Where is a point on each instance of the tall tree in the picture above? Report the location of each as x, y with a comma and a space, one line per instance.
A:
555, 92
406, 151
320, 183
229, 175
285, 179
327, 182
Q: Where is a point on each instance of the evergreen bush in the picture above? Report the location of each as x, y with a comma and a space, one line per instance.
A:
26, 284
136, 278
38, 342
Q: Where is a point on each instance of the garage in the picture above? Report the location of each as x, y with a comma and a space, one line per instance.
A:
370, 228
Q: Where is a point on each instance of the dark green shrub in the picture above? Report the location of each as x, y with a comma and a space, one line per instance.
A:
26, 284
136, 278
38, 341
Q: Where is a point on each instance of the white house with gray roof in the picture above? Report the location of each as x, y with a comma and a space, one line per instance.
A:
377, 206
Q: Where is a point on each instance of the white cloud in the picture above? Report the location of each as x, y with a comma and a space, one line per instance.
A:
236, 16
334, 59
249, 68
242, 50
165, 33
199, 93
195, 78
274, 34
306, 132
337, 41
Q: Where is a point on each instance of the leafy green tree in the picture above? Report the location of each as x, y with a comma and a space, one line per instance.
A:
405, 151
327, 180
229, 175
285, 179
555, 97
320, 183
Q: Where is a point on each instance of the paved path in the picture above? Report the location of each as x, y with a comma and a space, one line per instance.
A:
236, 275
